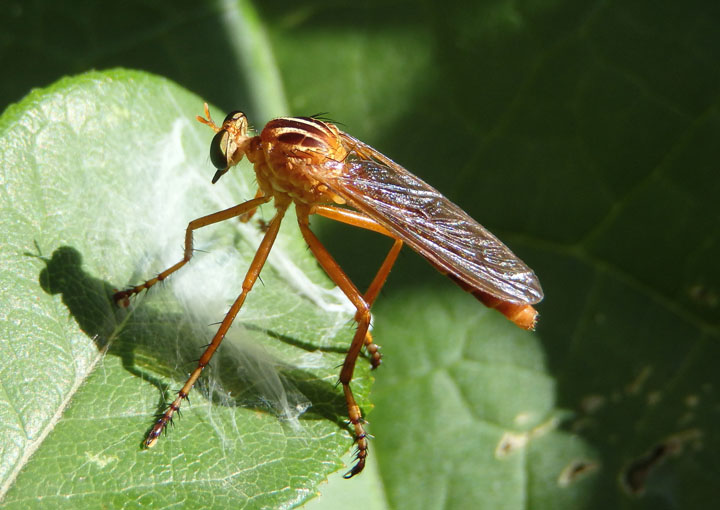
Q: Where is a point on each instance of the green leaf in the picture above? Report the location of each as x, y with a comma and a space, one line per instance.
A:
478, 407
101, 174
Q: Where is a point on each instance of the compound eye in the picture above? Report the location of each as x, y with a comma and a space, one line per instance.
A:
219, 150
234, 117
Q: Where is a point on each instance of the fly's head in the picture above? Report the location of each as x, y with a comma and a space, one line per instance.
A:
229, 144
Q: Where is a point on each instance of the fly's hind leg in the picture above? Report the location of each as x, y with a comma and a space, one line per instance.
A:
357, 219
122, 297
361, 338
372, 348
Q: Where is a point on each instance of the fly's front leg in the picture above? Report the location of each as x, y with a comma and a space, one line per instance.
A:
122, 297
247, 216
252, 275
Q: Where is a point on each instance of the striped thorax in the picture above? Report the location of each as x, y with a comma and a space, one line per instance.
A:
289, 145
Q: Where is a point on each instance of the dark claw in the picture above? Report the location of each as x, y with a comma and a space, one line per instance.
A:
121, 299
357, 468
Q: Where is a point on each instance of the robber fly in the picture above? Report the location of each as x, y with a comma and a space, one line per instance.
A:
322, 170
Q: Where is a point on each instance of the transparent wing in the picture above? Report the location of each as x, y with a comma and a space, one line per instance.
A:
431, 224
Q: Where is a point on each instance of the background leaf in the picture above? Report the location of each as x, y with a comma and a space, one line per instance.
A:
583, 134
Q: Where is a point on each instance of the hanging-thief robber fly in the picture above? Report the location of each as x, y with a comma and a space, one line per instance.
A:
322, 170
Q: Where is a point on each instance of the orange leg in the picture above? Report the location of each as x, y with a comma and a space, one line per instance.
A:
357, 219
380, 278
362, 317
349, 217
121, 298
250, 278
524, 316
245, 217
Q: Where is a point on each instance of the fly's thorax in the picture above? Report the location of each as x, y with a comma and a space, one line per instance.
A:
303, 138
298, 150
